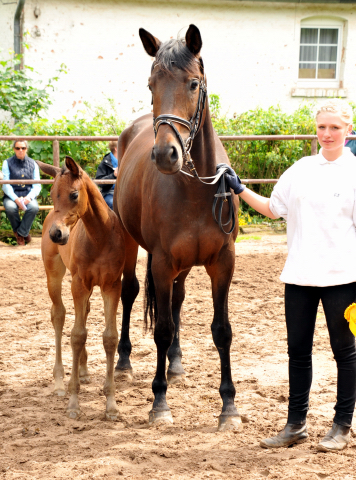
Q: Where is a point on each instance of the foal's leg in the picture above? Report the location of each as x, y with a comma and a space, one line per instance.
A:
175, 370
130, 289
84, 376
221, 273
111, 297
78, 338
55, 270
163, 336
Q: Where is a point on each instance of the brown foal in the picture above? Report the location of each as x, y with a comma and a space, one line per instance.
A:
85, 236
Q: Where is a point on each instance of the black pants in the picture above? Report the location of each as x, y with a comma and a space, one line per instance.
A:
301, 304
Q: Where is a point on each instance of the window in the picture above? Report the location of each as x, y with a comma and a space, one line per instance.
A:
320, 64
318, 57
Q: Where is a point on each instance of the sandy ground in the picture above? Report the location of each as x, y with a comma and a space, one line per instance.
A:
39, 441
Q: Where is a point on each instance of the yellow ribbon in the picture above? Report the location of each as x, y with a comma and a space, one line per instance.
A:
350, 315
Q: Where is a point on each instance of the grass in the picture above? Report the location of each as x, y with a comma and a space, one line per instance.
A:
240, 238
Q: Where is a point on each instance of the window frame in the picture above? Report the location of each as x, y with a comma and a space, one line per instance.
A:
338, 55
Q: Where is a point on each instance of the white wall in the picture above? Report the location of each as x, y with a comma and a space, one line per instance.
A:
250, 49
7, 13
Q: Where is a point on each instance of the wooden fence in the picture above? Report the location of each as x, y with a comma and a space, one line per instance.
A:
224, 138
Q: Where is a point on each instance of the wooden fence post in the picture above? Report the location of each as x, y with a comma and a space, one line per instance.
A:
314, 146
55, 153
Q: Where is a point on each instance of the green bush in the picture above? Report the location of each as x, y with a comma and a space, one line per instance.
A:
255, 159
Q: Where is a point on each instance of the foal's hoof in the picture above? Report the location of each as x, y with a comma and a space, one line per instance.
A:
85, 379
60, 392
74, 414
155, 417
173, 378
123, 375
111, 416
228, 422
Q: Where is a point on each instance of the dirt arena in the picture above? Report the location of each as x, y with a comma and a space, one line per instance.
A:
39, 441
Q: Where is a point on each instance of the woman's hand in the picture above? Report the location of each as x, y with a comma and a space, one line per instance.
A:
232, 180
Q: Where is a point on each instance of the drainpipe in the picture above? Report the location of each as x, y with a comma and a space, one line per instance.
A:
17, 29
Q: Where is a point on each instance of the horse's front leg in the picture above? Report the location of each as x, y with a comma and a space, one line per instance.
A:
78, 338
163, 335
55, 270
130, 290
84, 375
221, 273
175, 372
111, 297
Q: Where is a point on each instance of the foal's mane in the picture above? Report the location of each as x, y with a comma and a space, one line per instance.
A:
175, 53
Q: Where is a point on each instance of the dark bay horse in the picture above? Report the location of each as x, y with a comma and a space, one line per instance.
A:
169, 213
84, 235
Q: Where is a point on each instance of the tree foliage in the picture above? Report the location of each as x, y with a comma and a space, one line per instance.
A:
20, 93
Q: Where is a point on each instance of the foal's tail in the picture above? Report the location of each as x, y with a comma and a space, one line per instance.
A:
150, 295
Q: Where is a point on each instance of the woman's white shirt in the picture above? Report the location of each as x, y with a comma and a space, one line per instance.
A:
317, 198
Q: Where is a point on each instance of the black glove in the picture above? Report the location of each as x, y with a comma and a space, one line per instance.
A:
232, 180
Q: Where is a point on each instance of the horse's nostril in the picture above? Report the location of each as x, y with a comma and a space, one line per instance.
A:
153, 155
59, 234
174, 155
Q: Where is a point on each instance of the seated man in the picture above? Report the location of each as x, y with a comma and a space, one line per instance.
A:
21, 197
107, 170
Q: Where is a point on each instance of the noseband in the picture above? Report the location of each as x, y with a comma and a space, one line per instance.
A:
193, 125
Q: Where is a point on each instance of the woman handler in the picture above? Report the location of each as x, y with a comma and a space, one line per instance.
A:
317, 197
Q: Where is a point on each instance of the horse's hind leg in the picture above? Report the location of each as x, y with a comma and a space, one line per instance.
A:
55, 270
84, 376
221, 273
175, 372
78, 338
111, 297
130, 289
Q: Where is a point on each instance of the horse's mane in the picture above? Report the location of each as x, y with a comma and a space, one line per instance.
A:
175, 53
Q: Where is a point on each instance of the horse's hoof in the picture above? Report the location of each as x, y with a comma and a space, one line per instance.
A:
123, 375
155, 417
73, 414
173, 378
228, 422
85, 379
59, 392
111, 416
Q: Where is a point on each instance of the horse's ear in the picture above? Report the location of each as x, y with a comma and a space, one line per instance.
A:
150, 43
193, 39
73, 167
50, 170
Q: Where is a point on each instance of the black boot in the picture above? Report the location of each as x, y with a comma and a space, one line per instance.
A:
290, 434
336, 439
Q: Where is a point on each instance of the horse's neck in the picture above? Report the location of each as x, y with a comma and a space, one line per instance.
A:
203, 150
96, 216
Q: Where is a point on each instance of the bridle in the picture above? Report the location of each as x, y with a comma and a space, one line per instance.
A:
193, 125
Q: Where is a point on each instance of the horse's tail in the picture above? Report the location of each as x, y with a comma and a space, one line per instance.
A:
150, 295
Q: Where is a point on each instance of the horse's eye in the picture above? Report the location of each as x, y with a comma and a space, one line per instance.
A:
74, 196
194, 85
149, 87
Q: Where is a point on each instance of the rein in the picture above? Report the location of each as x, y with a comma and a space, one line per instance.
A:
193, 125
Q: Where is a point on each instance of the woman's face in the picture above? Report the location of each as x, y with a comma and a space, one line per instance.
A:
331, 131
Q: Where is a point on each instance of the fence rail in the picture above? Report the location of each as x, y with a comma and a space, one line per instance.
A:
55, 139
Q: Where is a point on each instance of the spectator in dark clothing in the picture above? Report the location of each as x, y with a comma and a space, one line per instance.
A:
21, 196
107, 170
352, 143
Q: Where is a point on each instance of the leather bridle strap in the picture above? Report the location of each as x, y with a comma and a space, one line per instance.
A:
193, 125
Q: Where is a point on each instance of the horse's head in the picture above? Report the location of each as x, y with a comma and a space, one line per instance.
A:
178, 96
69, 198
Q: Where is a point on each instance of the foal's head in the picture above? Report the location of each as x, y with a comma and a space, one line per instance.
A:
175, 83
69, 197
